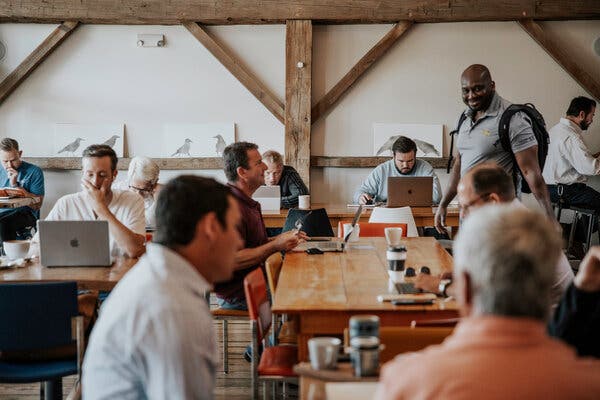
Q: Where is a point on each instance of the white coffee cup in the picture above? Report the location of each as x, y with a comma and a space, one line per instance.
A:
393, 236
355, 232
304, 202
15, 249
323, 352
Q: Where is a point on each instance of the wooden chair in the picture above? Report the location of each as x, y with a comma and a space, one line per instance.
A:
404, 339
373, 229
276, 363
287, 332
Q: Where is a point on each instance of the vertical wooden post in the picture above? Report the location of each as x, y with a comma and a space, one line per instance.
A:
298, 84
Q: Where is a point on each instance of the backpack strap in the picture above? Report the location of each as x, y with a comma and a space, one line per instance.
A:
461, 119
539, 129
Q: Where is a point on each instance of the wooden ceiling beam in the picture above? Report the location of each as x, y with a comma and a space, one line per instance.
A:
246, 78
33, 60
210, 12
357, 71
558, 51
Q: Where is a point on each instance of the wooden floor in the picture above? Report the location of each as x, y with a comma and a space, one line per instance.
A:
233, 386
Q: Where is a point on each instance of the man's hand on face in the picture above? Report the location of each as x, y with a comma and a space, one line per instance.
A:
98, 196
13, 174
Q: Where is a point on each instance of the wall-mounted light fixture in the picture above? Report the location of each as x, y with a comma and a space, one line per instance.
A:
150, 40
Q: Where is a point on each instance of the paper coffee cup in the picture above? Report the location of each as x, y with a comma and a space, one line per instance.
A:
393, 236
304, 202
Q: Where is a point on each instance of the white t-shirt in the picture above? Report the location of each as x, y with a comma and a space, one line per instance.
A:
149, 203
126, 206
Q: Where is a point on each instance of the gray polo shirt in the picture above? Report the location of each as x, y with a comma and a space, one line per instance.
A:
479, 142
376, 183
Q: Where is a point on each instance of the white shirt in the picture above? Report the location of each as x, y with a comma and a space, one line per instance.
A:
126, 206
149, 203
155, 337
569, 160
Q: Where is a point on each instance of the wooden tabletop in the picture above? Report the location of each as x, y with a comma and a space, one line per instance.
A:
352, 280
90, 278
423, 215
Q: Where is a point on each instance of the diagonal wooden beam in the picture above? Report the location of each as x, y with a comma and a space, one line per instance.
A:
557, 51
246, 78
372, 56
298, 84
37, 56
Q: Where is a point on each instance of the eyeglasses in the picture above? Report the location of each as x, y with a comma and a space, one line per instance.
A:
465, 207
142, 191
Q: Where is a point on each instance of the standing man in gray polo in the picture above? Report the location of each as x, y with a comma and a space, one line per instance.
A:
478, 140
404, 163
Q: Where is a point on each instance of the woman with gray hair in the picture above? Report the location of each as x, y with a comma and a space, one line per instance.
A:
142, 178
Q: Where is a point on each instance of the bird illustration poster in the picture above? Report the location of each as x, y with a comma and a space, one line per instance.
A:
428, 138
71, 139
197, 140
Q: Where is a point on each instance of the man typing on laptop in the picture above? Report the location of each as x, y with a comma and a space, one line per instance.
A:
404, 163
122, 209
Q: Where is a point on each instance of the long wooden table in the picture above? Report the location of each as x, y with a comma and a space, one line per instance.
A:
340, 212
87, 278
324, 291
17, 202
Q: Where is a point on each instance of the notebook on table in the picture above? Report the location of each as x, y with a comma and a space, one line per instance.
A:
412, 191
74, 243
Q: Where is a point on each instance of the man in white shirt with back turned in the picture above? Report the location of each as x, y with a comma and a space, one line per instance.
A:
155, 337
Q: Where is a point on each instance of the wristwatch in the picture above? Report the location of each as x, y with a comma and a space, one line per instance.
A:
443, 286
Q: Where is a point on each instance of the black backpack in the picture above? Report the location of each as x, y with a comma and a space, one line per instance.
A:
539, 131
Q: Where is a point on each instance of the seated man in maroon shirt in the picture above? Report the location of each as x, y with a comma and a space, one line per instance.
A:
245, 172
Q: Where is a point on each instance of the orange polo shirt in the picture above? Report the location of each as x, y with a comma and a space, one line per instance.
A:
493, 357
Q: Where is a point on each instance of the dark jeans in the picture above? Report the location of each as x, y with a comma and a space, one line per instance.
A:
578, 195
17, 224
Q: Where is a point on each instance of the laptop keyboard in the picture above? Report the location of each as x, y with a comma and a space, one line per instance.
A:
407, 288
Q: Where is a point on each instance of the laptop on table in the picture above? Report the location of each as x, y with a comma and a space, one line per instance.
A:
74, 243
412, 191
269, 197
330, 246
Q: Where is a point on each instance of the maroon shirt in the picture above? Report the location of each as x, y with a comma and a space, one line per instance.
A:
253, 232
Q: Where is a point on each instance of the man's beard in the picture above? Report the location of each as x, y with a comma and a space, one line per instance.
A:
584, 125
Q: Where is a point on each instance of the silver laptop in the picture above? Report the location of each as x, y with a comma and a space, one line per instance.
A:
414, 191
269, 198
331, 245
74, 243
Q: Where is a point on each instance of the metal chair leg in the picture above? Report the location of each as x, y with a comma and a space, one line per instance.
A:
255, 359
591, 223
572, 232
225, 347
53, 389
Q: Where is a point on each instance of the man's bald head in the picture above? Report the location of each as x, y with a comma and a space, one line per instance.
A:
477, 87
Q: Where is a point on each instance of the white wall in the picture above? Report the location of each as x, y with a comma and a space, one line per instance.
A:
99, 76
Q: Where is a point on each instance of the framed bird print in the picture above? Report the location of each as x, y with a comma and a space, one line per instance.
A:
71, 139
197, 140
428, 138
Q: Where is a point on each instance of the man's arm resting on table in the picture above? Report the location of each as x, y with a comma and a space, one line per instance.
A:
130, 242
530, 168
